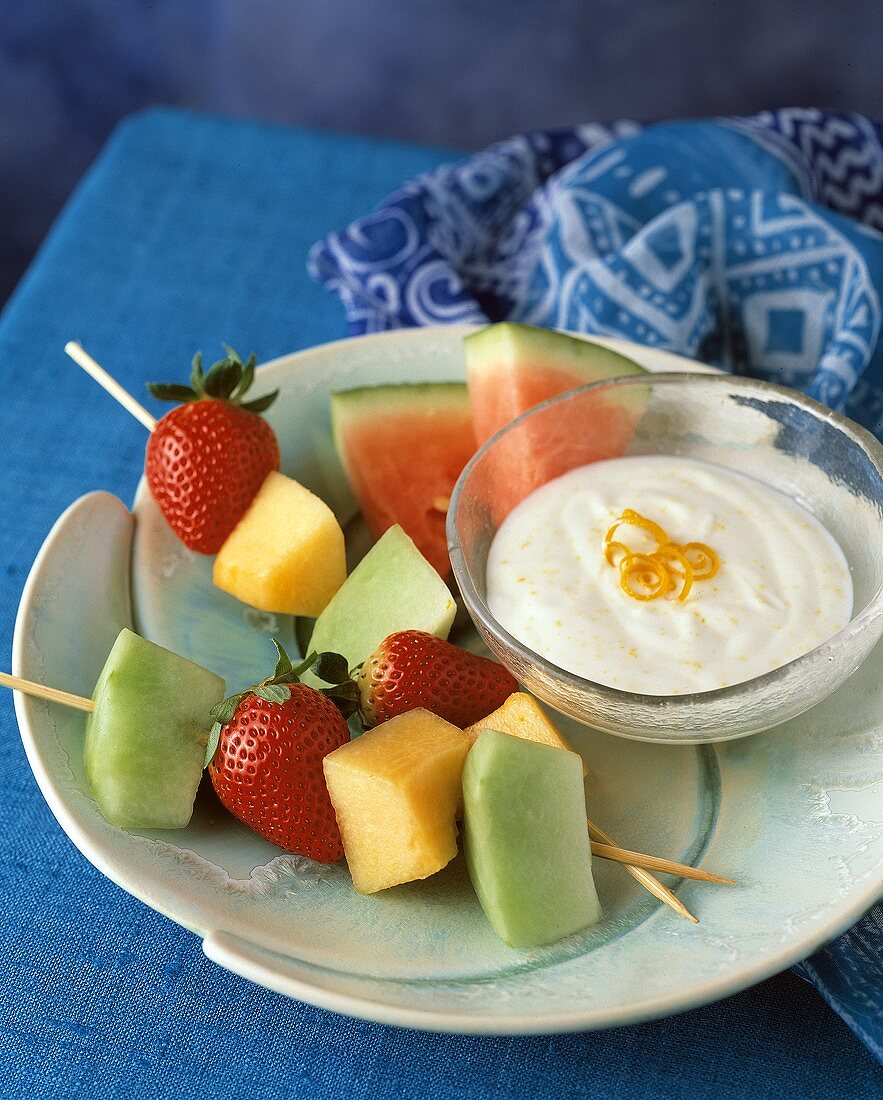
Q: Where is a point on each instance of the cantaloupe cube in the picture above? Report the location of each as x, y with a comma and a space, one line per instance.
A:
395, 792
522, 716
286, 554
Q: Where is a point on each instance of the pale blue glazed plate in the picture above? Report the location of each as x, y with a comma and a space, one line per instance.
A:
795, 815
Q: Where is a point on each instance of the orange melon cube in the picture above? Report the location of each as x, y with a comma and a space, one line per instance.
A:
522, 716
395, 791
286, 554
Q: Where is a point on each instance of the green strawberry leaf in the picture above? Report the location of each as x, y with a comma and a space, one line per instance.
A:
273, 693
247, 378
305, 664
222, 379
211, 748
260, 404
223, 712
170, 391
332, 668
283, 664
196, 373
227, 380
343, 699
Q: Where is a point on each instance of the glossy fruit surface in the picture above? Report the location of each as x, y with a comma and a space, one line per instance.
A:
412, 669
267, 770
207, 458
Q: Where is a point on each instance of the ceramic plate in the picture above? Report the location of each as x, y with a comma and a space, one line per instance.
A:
794, 815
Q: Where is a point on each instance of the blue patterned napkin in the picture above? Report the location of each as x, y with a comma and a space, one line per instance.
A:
753, 243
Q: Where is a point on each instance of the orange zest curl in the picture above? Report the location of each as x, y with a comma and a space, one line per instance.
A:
705, 562
648, 576
676, 562
635, 519
643, 577
611, 548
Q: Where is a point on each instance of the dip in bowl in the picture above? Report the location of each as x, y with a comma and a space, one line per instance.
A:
786, 494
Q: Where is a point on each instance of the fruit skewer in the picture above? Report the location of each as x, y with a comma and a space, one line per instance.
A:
208, 457
641, 874
212, 467
602, 849
83, 359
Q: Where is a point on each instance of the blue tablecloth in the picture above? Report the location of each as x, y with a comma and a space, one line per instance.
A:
189, 231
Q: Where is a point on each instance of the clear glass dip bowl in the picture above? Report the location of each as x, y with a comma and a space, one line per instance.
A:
779, 437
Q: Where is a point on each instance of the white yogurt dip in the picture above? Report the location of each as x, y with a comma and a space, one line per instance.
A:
782, 588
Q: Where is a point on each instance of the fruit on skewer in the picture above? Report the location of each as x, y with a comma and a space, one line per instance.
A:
526, 840
286, 554
266, 753
522, 716
392, 588
413, 668
146, 736
212, 467
142, 749
395, 792
207, 458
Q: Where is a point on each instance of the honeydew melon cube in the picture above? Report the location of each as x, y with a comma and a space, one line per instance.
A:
526, 839
395, 792
522, 716
286, 554
145, 740
392, 588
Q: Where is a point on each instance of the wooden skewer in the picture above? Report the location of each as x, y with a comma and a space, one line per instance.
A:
82, 357
602, 845
648, 881
54, 695
656, 863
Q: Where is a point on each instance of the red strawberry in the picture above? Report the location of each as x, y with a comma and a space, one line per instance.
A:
266, 752
207, 458
413, 669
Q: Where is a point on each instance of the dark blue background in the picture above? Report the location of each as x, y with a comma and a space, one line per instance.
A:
458, 73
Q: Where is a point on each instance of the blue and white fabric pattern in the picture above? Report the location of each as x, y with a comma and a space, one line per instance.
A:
753, 243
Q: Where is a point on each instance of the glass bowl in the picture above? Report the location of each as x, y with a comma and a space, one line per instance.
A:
777, 436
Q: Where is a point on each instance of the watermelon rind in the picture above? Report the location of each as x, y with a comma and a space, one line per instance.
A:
509, 340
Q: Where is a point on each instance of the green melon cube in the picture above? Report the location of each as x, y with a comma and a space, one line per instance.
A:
392, 588
146, 738
526, 839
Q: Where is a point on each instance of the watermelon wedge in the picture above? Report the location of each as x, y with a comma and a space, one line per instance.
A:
403, 447
511, 369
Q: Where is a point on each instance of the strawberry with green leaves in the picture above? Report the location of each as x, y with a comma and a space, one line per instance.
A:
413, 669
266, 749
207, 458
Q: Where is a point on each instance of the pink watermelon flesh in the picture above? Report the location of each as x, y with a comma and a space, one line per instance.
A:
403, 447
511, 369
